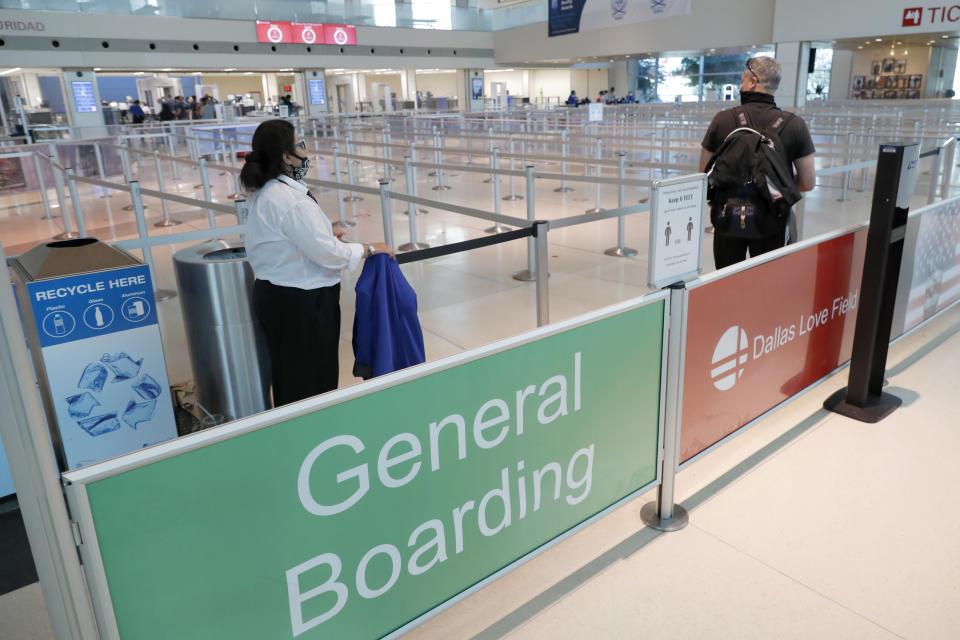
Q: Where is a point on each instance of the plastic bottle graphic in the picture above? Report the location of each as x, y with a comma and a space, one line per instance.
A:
98, 316
59, 327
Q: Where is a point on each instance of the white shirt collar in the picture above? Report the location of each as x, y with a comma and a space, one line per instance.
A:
299, 186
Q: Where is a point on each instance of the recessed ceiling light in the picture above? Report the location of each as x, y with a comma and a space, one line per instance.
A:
878, 39
944, 36
904, 52
899, 43
860, 46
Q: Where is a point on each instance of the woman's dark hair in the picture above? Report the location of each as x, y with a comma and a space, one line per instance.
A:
271, 140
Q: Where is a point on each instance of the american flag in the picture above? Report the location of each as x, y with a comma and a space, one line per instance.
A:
936, 265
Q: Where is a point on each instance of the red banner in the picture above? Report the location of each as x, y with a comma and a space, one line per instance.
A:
274, 32
307, 32
759, 336
341, 34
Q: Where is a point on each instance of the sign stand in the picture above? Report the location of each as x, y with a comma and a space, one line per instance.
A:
676, 228
863, 399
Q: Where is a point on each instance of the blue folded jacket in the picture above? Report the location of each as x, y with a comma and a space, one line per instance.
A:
386, 331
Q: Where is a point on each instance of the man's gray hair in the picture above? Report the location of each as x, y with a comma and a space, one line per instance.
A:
767, 71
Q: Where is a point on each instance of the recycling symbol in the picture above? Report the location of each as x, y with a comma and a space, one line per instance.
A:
129, 398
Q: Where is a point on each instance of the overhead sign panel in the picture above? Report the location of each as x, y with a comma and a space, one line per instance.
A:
341, 34
273, 32
307, 32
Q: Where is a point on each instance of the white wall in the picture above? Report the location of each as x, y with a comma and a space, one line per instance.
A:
441, 85
514, 80
712, 23
555, 83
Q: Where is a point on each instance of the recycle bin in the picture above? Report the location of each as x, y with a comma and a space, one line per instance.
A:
90, 318
231, 365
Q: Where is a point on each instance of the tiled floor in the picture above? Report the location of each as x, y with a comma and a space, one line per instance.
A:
817, 526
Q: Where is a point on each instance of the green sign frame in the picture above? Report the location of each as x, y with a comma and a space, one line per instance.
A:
362, 512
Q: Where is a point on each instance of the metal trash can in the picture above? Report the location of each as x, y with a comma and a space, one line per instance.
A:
231, 364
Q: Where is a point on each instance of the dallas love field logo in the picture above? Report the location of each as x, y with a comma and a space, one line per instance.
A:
733, 350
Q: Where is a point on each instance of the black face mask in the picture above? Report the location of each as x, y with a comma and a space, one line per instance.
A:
297, 173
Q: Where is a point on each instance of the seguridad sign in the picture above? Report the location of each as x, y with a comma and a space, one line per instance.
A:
352, 520
760, 335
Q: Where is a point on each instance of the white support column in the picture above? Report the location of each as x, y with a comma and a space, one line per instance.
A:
793, 58
841, 73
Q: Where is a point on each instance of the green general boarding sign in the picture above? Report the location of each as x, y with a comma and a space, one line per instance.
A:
355, 519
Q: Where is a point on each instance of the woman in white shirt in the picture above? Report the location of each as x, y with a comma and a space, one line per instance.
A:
297, 258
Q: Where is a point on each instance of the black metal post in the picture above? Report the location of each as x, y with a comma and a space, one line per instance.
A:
863, 399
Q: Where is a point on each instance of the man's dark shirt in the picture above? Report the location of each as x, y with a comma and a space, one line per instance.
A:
761, 110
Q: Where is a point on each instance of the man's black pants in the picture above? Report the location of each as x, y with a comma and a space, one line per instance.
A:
302, 329
728, 250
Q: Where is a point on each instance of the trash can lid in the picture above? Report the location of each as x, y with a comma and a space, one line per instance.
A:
233, 253
69, 257
217, 251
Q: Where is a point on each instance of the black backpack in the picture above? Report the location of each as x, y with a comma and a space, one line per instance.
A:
750, 186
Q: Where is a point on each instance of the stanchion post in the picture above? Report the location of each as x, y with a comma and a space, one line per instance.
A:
950, 152
495, 164
411, 176
385, 212
75, 202
621, 250
385, 140
207, 195
664, 514
512, 195
438, 156
342, 221
492, 177
530, 273
241, 210
44, 197
599, 169
136, 199
68, 232
171, 150
542, 253
98, 154
935, 176
167, 221
564, 150
352, 197
847, 175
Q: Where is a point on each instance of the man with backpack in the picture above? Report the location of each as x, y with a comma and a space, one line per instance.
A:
758, 159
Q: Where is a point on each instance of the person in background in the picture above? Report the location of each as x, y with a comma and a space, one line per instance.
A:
612, 96
572, 100
166, 110
208, 110
136, 112
191, 109
759, 81
629, 98
602, 98
297, 259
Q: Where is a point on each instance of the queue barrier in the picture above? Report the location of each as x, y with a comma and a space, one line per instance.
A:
711, 353
552, 443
